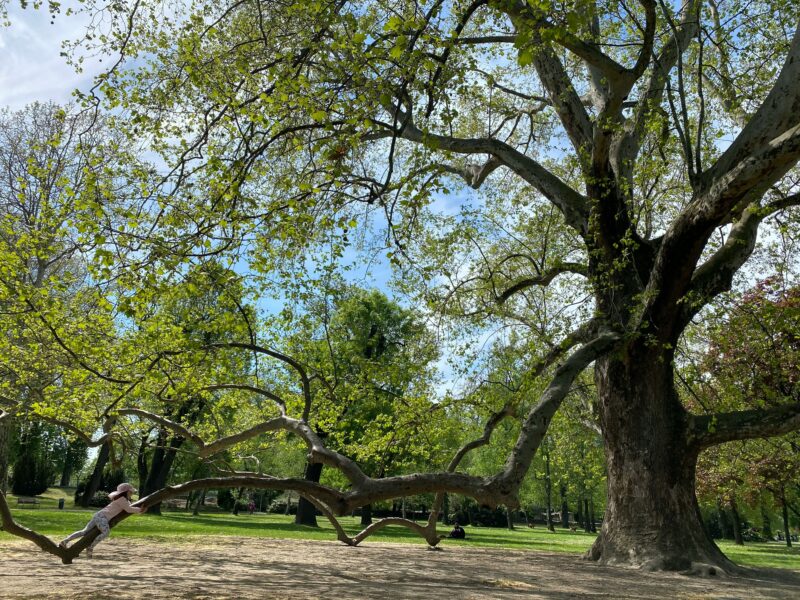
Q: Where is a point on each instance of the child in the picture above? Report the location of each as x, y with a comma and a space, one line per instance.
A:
120, 502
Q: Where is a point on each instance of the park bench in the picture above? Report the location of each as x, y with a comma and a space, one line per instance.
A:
23, 501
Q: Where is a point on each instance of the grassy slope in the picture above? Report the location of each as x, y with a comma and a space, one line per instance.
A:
172, 526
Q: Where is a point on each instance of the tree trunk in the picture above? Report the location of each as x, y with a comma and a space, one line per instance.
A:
200, 502
592, 526
97, 473
726, 529
141, 462
548, 489
509, 519
564, 507
766, 522
235, 510
652, 519
737, 523
5, 452
785, 511
66, 474
587, 525
307, 512
160, 467
366, 515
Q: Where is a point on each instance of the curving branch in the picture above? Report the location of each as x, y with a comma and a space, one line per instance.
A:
538, 420
14, 528
572, 204
543, 279
493, 421
715, 275
86, 439
474, 174
305, 380
248, 388
163, 422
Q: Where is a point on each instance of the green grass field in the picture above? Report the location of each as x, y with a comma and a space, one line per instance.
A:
175, 526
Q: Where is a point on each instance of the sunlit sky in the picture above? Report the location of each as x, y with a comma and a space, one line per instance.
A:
31, 67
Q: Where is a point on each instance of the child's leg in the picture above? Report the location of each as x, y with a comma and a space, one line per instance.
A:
81, 533
105, 530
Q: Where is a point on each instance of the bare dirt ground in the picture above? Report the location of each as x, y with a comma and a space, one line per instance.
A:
288, 569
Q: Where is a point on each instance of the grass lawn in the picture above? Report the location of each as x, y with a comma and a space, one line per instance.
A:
172, 526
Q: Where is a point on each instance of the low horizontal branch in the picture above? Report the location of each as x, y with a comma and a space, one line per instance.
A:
711, 430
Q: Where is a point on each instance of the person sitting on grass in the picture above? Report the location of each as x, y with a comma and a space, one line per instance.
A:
120, 502
458, 532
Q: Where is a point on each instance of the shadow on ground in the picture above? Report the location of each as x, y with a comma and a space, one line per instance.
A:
293, 569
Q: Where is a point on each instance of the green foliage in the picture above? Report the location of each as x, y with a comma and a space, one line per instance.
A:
34, 469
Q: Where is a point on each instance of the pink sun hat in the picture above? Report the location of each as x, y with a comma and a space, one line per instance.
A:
122, 489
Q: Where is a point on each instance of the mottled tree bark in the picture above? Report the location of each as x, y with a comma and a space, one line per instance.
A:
652, 519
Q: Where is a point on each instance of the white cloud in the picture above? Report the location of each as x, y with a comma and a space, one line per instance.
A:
31, 67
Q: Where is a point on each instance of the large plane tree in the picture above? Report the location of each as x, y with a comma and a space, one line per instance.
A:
631, 151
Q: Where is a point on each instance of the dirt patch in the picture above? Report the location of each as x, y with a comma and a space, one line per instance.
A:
288, 569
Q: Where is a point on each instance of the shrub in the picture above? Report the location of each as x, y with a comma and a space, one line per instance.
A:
32, 475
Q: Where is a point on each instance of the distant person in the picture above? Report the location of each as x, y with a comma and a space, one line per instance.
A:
120, 502
458, 532
251, 508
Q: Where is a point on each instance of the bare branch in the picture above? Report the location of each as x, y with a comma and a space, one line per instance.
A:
163, 422
248, 388
493, 421
294, 364
542, 280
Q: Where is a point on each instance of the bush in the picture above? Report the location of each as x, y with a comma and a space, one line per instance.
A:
100, 499
225, 499
278, 506
32, 475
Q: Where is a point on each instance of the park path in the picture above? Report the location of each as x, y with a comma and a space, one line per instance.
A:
243, 568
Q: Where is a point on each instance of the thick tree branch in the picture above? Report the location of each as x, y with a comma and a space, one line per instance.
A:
765, 150
538, 420
571, 204
767, 146
715, 276
710, 430
474, 174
